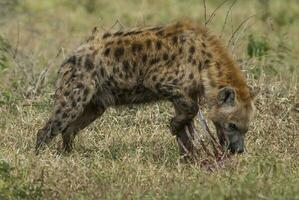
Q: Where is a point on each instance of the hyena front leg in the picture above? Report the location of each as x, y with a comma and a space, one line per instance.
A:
90, 113
186, 109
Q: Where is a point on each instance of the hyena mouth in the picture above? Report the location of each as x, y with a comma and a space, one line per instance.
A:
215, 151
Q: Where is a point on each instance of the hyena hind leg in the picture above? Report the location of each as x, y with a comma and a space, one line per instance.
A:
65, 112
91, 112
57, 123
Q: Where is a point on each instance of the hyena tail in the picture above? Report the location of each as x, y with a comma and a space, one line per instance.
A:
72, 95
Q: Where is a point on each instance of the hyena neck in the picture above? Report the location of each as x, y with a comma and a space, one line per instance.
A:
223, 72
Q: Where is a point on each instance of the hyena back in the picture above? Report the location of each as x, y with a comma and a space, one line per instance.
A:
179, 62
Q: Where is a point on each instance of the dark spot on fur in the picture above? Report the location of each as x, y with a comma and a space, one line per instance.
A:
58, 111
190, 59
203, 44
66, 93
64, 115
119, 33
175, 81
80, 85
154, 61
148, 43
173, 57
209, 55
89, 63
136, 47
119, 52
165, 56
102, 72
144, 58
180, 50
108, 43
73, 116
207, 62
58, 123
132, 33
63, 103
72, 60
192, 50
74, 103
175, 39
159, 45
157, 86
154, 78
106, 35
126, 66
203, 52
182, 39
191, 76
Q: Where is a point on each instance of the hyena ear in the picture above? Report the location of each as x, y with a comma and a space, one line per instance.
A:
226, 96
254, 91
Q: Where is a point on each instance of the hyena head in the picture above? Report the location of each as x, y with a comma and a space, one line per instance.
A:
231, 116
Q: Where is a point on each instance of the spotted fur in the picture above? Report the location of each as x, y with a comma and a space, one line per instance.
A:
179, 62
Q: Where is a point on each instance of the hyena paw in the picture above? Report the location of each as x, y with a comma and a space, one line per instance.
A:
41, 141
175, 128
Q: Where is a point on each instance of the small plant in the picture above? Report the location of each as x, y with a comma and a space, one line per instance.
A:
4, 55
12, 186
257, 47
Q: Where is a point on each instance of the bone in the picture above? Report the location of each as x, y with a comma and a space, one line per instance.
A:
218, 156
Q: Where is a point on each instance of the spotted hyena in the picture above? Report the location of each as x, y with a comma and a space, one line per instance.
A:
179, 62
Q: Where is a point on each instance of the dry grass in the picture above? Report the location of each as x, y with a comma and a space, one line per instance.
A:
129, 153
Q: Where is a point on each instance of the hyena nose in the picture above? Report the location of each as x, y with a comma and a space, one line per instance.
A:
236, 149
240, 150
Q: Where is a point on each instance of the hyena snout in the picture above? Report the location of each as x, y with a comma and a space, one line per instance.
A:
236, 147
236, 143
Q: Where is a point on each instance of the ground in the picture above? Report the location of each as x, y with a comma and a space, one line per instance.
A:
129, 153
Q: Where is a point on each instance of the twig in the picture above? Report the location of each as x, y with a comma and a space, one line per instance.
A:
238, 36
18, 40
116, 22
238, 28
214, 12
205, 11
226, 17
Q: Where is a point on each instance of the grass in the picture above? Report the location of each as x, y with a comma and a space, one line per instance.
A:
129, 153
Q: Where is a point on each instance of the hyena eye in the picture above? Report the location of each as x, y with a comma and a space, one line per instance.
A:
231, 127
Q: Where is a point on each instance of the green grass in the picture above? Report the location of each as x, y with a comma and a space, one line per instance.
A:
129, 153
